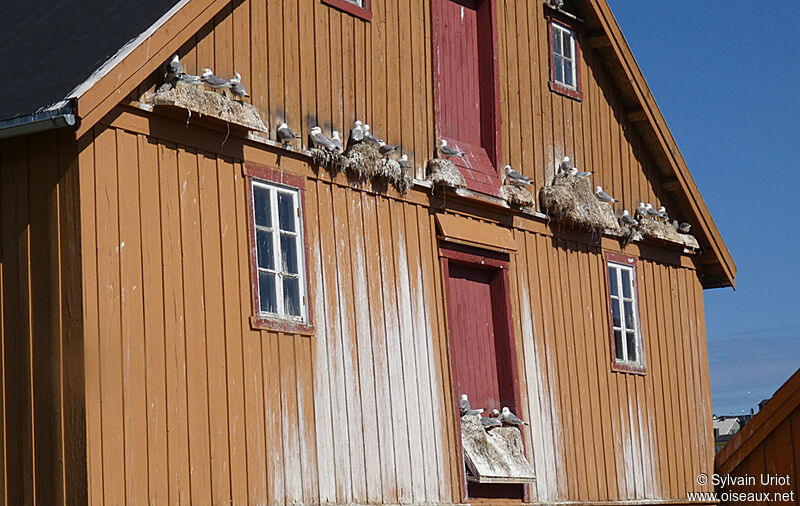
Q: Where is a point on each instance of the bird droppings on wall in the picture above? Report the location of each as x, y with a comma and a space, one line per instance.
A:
197, 100
517, 195
443, 172
496, 456
570, 198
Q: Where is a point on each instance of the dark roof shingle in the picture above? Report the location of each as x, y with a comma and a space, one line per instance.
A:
52, 46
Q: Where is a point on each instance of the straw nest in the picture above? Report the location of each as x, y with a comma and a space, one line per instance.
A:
690, 241
517, 195
197, 100
571, 199
443, 172
361, 160
320, 157
404, 183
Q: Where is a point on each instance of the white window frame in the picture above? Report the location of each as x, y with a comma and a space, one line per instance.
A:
275, 233
615, 269
357, 3
559, 31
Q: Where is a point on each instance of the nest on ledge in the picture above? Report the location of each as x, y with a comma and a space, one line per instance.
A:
196, 99
443, 172
570, 198
517, 195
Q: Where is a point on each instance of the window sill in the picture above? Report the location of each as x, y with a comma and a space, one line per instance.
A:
281, 325
344, 5
566, 91
641, 370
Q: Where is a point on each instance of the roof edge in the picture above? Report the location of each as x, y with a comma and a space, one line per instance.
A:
656, 120
59, 115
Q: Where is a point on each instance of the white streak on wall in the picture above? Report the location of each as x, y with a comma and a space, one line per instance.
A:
322, 400
541, 435
413, 413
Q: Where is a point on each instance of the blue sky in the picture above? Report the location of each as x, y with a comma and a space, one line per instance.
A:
725, 75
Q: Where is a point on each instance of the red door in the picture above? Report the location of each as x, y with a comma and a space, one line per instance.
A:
467, 104
472, 335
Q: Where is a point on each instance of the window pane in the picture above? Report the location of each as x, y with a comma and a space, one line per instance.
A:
568, 45
266, 293
612, 278
629, 324
618, 345
286, 211
615, 320
262, 207
631, 342
289, 253
626, 283
568, 80
557, 40
266, 257
291, 296
558, 67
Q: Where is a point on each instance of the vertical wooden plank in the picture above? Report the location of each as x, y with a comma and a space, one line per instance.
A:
341, 441
214, 328
307, 60
275, 30
44, 310
259, 90
322, 64
154, 339
336, 99
602, 355
678, 484
287, 415
406, 484
512, 121
363, 334
223, 43
421, 358
291, 59
349, 357
320, 359
383, 393
258, 466
348, 78
273, 416
91, 337
241, 56
306, 427
690, 378
175, 358
439, 397
194, 309
237, 413
132, 306
109, 317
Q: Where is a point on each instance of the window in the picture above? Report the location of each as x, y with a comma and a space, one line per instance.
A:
279, 276
565, 74
276, 215
626, 335
358, 8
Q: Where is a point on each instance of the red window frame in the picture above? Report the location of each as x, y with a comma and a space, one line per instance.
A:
257, 320
364, 13
481, 170
560, 19
619, 258
500, 287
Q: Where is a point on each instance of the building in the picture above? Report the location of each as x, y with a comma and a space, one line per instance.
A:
765, 453
156, 350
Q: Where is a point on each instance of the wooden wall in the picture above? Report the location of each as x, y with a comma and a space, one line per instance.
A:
309, 63
42, 451
186, 402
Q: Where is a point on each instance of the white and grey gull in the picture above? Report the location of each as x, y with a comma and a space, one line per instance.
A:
515, 178
237, 87
490, 422
369, 137
357, 132
387, 150
449, 151
603, 196
466, 409
215, 82
318, 140
510, 418
286, 134
337, 141
404, 164
628, 219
